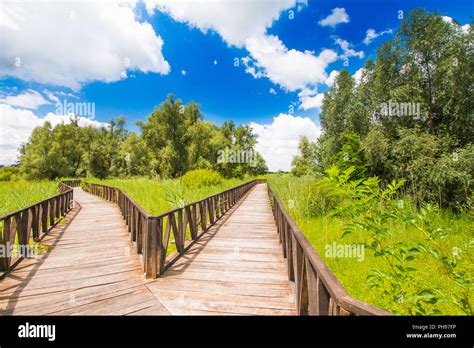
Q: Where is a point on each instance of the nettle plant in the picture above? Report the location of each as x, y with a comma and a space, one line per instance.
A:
375, 211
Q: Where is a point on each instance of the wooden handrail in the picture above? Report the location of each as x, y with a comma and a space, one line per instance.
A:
31, 223
72, 183
317, 290
152, 235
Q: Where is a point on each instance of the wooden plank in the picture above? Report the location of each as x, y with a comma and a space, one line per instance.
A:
227, 271
235, 268
92, 261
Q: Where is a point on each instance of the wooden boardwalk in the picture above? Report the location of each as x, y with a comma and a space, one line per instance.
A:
91, 269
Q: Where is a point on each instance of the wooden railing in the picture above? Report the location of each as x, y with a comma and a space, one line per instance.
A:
317, 290
31, 223
152, 235
72, 183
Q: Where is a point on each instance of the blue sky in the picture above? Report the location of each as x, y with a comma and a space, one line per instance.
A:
75, 52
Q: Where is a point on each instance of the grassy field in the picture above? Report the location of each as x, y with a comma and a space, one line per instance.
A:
18, 194
159, 196
322, 230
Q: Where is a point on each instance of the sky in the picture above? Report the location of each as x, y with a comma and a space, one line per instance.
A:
263, 63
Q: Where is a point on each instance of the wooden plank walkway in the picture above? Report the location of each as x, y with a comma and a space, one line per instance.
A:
236, 268
91, 268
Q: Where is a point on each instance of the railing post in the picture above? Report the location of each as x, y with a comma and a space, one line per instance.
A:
151, 248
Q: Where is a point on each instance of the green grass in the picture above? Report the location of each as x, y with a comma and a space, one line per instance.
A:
323, 230
15, 195
159, 196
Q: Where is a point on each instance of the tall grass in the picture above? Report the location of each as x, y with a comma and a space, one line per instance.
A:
159, 196
309, 208
15, 195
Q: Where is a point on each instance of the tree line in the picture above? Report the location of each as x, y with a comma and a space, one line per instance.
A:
410, 116
174, 139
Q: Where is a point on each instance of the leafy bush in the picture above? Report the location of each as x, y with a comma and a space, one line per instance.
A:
201, 177
453, 177
9, 173
374, 211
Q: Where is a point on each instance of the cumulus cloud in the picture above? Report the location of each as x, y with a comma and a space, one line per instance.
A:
358, 76
338, 15
72, 43
371, 35
29, 99
234, 21
291, 69
278, 142
347, 50
331, 78
244, 24
310, 99
464, 28
16, 126
272, 91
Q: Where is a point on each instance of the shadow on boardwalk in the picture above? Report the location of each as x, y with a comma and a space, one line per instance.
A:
91, 269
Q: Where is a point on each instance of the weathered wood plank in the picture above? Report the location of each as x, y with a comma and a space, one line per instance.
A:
91, 267
227, 271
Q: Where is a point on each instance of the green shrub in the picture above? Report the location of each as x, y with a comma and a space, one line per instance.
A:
201, 177
9, 173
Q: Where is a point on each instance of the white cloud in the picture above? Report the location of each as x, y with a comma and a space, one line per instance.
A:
331, 78
464, 28
72, 43
371, 35
183, 72
310, 99
278, 142
215, 62
358, 75
16, 126
29, 99
51, 96
338, 15
291, 69
234, 21
272, 91
244, 24
348, 51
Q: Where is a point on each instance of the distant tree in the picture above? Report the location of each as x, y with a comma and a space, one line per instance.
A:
134, 157
305, 163
166, 134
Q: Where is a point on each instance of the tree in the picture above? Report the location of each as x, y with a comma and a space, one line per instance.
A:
306, 162
166, 134
426, 73
52, 152
134, 157
102, 157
